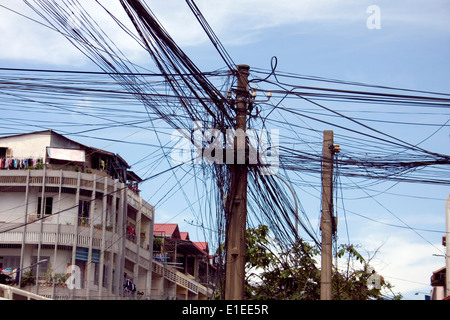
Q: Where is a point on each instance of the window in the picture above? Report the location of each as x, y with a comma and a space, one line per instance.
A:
98, 163
96, 273
83, 208
83, 212
105, 276
43, 265
82, 266
12, 262
5, 152
48, 206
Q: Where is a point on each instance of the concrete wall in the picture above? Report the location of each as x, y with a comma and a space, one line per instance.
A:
12, 207
27, 146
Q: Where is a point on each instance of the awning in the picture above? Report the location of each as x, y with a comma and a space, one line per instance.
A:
74, 155
82, 254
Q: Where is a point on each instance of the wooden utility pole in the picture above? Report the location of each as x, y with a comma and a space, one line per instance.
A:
326, 222
236, 227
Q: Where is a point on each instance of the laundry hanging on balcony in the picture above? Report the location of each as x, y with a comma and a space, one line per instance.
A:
16, 163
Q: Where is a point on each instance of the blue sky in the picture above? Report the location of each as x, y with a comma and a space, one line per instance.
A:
327, 39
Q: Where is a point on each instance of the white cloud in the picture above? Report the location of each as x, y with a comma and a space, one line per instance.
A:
28, 41
235, 22
25, 40
404, 262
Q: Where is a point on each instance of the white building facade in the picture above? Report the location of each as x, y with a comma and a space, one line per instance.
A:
72, 223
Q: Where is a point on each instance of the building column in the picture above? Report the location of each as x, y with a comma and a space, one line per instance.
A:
43, 202
75, 229
102, 248
89, 263
121, 233
57, 231
22, 249
138, 242
150, 264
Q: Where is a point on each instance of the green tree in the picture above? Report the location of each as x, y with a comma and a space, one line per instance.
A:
292, 273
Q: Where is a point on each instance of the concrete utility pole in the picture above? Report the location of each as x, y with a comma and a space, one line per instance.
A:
235, 242
326, 222
447, 250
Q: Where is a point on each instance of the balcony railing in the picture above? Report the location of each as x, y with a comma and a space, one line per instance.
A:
180, 278
16, 237
12, 293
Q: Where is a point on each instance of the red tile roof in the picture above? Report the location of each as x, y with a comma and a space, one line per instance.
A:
171, 230
167, 230
184, 235
202, 246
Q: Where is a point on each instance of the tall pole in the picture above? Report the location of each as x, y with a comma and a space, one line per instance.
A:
236, 227
326, 222
447, 247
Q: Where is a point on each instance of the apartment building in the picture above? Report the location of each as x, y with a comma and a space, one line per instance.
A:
73, 225
174, 248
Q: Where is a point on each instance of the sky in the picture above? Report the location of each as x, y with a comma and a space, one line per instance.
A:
402, 44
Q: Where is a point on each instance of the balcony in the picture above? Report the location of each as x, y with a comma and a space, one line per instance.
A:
69, 181
180, 279
50, 236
